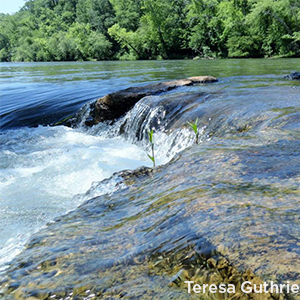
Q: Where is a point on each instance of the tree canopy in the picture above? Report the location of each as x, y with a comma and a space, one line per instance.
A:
67, 30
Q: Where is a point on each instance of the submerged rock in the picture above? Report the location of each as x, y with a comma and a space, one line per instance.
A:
114, 105
226, 210
187, 221
219, 210
293, 76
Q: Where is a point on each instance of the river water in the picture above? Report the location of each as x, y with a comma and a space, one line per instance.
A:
47, 171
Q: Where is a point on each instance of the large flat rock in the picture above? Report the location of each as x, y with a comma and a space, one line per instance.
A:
114, 105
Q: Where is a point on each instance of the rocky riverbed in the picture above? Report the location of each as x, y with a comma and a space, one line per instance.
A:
226, 210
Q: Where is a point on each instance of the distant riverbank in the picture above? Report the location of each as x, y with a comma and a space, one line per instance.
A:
75, 30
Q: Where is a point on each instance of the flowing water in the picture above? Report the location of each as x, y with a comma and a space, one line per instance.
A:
238, 190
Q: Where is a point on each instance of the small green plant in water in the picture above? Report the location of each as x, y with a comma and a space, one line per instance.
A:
194, 126
150, 135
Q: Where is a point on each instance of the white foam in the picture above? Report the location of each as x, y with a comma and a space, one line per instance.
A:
41, 171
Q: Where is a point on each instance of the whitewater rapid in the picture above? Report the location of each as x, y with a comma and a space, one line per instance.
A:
47, 171
43, 168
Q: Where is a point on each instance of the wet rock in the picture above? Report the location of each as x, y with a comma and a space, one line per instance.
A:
64, 121
293, 76
214, 270
113, 106
137, 173
129, 176
220, 208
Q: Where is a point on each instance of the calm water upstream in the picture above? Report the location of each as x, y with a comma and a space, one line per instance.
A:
239, 189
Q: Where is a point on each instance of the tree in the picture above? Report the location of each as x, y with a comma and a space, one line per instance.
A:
149, 29
207, 29
276, 24
128, 13
98, 13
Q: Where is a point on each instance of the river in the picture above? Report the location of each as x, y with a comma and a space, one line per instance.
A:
48, 172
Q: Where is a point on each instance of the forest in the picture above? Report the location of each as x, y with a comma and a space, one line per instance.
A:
81, 30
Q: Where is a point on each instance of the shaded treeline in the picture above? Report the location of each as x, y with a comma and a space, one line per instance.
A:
54, 30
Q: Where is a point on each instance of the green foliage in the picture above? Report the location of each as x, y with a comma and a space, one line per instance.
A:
272, 22
150, 136
45, 30
166, 26
128, 13
98, 13
194, 126
133, 44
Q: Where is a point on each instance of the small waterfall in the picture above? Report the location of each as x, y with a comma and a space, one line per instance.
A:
147, 114
47, 171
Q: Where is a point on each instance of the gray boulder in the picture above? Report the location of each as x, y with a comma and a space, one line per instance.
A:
293, 76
